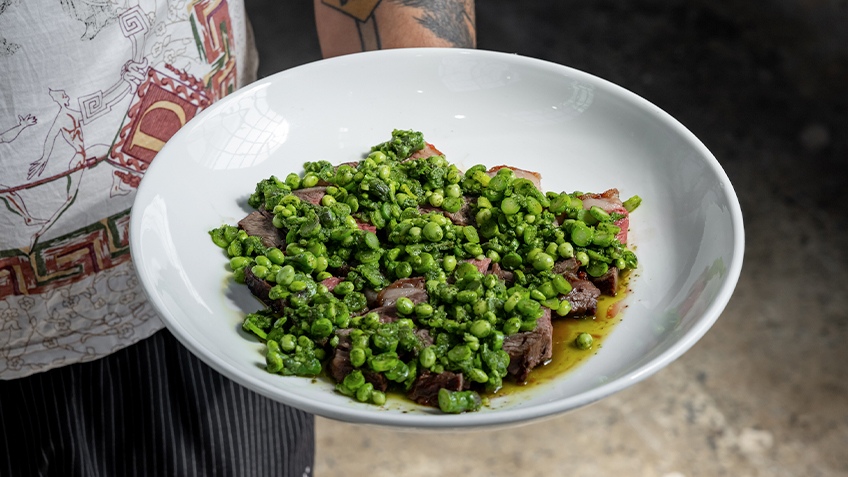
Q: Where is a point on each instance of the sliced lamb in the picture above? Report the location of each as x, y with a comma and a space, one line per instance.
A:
311, 194
387, 314
366, 226
428, 151
608, 282
412, 288
331, 283
370, 298
569, 266
464, 216
260, 289
505, 275
528, 349
533, 177
260, 225
583, 297
425, 389
423, 334
340, 367
482, 265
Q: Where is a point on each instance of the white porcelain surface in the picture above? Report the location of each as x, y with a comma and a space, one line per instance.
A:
580, 132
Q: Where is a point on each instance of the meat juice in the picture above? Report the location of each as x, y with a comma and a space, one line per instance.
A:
566, 356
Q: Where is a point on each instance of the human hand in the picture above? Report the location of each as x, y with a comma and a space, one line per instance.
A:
36, 168
27, 120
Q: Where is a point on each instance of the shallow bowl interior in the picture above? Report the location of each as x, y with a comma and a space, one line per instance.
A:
580, 132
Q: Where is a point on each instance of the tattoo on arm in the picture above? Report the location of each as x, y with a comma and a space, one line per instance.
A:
447, 19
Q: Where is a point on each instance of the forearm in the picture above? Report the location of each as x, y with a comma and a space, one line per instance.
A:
359, 25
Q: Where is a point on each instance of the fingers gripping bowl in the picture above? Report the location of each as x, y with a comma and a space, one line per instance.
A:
578, 131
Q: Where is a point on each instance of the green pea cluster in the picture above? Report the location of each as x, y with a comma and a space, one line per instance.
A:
408, 203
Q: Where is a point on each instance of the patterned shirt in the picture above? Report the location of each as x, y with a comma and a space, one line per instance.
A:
90, 90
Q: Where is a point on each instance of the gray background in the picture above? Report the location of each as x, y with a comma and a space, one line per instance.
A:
765, 86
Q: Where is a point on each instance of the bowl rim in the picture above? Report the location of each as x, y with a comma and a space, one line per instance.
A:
466, 420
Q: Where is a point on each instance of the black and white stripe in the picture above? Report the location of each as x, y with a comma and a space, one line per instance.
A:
152, 409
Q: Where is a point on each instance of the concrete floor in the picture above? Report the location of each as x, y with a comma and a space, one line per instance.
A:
765, 393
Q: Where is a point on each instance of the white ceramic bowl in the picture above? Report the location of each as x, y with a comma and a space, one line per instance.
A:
579, 131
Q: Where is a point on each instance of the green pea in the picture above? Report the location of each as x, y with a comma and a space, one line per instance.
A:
511, 326
363, 394
583, 341
583, 258
235, 249
561, 284
510, 206
436, 200
449, 263
533, 206
597, 268
542, 261
551, 250
426, 263
322, 327
378, 397
403, 270
565, 250
263, 261
480, 307
537, 295
466, 296
405, 306
452, 204
288, 343
297, 286
483, 216
414, 234
353, 203
490, 281
564, 308
551, 303
239, 262
423, 310
620, 263
433, 232
321, 264
328, 200
484, 203
323, 276
459, 353
310, 180
511, 261
528, 307
481, 328
547, 289
259, 271
453, 190
511, 302
357, 357
427, 357
371, 320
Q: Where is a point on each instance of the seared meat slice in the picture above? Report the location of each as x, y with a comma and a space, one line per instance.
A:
331, 283
340, 367
464, 216
528, 349
482, 265
412, 288
260, 288
259, 224
608, 282
425, 389
311, 194
570, 266
424, 336
502, 274
583, 297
